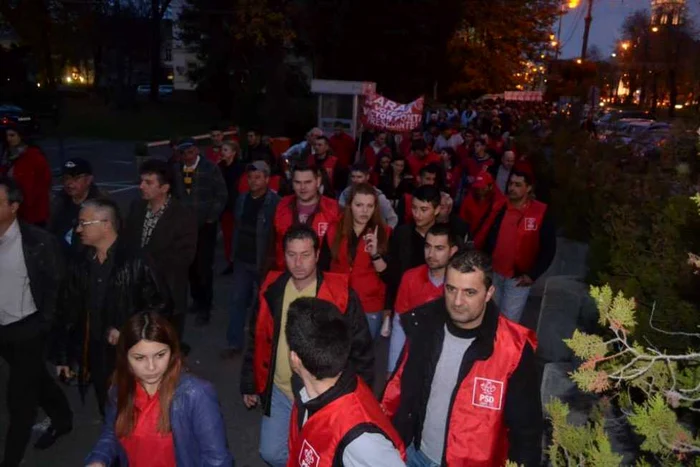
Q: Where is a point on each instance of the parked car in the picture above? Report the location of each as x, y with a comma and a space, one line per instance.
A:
606, 121
12, 115
164, 90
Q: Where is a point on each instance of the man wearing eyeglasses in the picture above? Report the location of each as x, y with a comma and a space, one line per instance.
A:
78, 187
104, 286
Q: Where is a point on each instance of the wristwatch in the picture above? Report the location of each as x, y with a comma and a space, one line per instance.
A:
376, 257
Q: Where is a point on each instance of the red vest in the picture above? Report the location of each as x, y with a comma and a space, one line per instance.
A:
480, 215
32, 173
327, 214
334, 288
477, 435
364, 279
343, 148
415, 290
328, 164
415, 165
407, 208
528, 239
317, 442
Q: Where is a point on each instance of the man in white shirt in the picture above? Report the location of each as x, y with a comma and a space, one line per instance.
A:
30, 270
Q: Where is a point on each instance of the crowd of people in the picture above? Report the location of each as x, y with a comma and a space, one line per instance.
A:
431, 238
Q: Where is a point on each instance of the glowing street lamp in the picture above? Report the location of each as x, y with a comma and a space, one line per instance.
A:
655, 29
625, 45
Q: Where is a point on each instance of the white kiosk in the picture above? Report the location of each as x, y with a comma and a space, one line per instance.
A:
340, 101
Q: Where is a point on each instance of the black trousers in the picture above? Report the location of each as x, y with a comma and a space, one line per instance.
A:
201, 271
30, 386
101, 361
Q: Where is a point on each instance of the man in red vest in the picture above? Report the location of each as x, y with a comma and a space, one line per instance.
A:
522, 242
421, 156
480, 208
336, 416
481, 403
423, 283
305, 206
342, 145
325, 162
266, 375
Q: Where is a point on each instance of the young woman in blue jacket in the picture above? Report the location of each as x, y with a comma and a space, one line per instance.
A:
158, 416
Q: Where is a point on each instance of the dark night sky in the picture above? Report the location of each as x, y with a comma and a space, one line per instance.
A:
608, 16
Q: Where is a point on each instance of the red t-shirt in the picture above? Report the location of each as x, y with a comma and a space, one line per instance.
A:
145, 447
504, 253
415, 165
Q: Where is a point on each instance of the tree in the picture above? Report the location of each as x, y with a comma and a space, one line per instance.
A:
157, 11
657, 390
242, 47
496, 39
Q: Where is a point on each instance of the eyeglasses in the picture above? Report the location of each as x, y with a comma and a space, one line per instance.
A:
86, 223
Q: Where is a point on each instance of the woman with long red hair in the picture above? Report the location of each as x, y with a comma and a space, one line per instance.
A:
158, 416
358, 244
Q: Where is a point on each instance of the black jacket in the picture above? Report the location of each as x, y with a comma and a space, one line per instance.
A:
406, 251
548, 243
133, 286
45, 268
425, 332
361, 352
171, 248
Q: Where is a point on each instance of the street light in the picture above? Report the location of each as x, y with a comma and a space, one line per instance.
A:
655, 29
625, 45
613, 55
579, 61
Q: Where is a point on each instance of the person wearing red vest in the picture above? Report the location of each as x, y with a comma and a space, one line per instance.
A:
343, 146
480, 208
325, 162
481, 161
266, 375
305, 206
522, 242
28, 166
336, 420
371, 153
428, 176
358, 246
422, 284
407, 142
481, 403
420, 157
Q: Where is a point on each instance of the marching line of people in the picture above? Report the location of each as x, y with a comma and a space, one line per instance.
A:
433, 241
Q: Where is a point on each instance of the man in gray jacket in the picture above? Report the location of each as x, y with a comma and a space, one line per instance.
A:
200, 186
359, 173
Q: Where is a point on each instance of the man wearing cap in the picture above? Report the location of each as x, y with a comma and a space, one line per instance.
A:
480, 207
78, 186
252, 240
198, 184
359, 174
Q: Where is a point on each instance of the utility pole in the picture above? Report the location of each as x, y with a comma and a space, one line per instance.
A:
587, 30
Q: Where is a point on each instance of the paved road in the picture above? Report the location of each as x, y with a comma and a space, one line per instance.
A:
115, 172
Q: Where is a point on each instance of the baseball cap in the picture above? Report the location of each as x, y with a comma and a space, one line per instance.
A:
186, 143
76, 166
259, 165
483, 180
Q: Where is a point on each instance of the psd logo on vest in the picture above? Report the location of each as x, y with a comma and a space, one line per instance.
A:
530, 224
488, 393
308, 457
322, 228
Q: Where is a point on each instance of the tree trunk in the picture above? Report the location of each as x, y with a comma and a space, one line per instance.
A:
155, 49
672, 92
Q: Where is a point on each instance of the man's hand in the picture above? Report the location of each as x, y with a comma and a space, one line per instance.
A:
524, 281
250, 400
113, 336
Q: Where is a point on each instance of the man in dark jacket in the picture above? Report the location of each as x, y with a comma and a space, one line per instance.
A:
266, 374
466, 391
166, 230
252, 242
255, 149
31, 269
200, 186
103, 288
78, 186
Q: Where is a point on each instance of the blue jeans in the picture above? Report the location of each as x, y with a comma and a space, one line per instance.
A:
415, 458
245, 283
374, 322
396, 343
510, 298
274, 430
